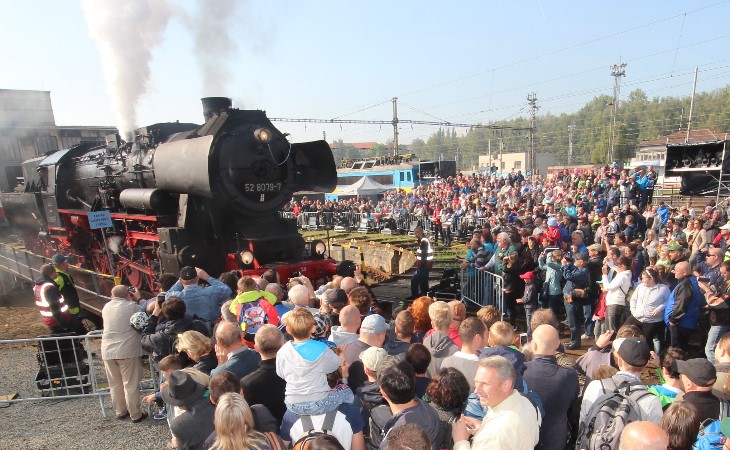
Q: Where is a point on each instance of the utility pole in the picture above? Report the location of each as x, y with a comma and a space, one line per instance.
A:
395, 126
324, 136
691, 105
501, 149
571, 127
489, 150
617, 71
531, 165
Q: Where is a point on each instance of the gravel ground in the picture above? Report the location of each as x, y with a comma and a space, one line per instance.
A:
75, 424
57, 423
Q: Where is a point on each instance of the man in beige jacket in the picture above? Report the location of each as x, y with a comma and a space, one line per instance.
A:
121, 349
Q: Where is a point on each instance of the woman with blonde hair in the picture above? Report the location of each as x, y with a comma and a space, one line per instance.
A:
199, 349
234, 427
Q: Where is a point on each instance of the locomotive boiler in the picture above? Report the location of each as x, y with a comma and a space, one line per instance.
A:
178, 194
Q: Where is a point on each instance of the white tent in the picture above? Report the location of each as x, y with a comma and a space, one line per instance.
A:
363, 186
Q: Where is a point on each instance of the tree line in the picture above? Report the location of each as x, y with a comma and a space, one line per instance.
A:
638, 118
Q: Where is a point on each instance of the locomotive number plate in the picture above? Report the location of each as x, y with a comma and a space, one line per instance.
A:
263, 187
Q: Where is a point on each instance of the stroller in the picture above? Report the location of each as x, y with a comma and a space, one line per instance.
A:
63, 367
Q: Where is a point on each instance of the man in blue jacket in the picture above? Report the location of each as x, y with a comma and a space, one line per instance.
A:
682, 311
204, 302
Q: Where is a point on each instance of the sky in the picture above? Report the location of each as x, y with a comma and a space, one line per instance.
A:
463, 62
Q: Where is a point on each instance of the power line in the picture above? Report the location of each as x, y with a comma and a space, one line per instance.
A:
570, 47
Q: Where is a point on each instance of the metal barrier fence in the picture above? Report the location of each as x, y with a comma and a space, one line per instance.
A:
57, 367
482, 288
363, 222
26, 265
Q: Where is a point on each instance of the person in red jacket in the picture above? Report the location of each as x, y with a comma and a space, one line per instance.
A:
552, 235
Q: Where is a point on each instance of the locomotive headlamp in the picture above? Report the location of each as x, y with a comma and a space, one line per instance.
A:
247, 257
320, 248
262, 135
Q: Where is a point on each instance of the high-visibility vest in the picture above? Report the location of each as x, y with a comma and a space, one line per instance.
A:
40, 291
429, 253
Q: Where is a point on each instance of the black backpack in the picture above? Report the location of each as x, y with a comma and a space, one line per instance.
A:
310, 433
610, 413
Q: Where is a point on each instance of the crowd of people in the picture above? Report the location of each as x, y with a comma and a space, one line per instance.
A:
267, 363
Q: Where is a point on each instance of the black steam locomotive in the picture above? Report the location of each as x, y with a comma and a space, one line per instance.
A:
179, 194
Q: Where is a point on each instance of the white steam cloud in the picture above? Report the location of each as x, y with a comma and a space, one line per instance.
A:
214, 47
126, 32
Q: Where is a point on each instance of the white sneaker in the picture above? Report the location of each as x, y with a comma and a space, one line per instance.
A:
585, 336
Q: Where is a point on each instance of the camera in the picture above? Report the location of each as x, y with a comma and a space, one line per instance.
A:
296, 274
703, 279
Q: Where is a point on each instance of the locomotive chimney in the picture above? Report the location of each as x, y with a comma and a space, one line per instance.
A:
215, 105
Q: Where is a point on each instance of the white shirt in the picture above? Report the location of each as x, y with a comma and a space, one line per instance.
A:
514, 424
617, 288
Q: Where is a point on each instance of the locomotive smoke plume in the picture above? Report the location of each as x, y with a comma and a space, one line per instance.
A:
125, 33
214, 47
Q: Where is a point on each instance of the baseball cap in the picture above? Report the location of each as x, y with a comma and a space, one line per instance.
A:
374, 324
528, 276
59, 259
699, 370
726, 226
674, 247
634, 351
552, 222
372, 357
188, 273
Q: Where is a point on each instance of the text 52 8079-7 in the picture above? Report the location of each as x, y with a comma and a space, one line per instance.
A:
262, 187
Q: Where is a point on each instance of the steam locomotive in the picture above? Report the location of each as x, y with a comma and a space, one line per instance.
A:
178, 194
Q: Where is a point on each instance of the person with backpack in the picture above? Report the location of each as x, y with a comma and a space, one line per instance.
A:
609, 404
253, 309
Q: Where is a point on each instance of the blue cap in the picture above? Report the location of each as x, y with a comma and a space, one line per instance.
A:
59, 259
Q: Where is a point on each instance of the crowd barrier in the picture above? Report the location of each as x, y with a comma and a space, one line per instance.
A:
482, 288
57, 367
365, 222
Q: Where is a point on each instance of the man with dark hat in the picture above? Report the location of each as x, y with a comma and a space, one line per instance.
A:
204, 302
192, 428
631, 355
698, 376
